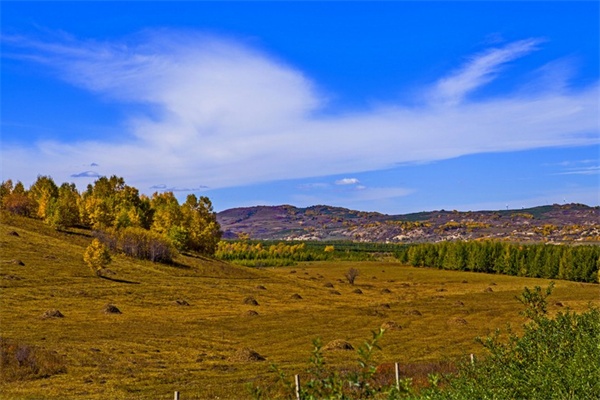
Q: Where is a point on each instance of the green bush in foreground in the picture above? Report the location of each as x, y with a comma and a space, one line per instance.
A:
555, 358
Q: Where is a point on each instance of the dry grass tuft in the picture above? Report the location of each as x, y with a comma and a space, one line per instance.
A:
391, 326
338, 344
457, 321
246, 355
357, 291
488, 290
328, 284
52, 314
335, 292
111, 309
251, 301
251, 313
413, 312
386, 291
296, 296
181, 302
260, 287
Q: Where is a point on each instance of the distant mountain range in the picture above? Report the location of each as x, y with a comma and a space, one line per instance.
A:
552, 223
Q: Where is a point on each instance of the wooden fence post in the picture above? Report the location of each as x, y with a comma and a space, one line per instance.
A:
472, 359
397, 368
176, 395
297, 379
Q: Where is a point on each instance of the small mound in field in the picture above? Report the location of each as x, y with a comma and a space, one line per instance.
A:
52, 314
111, 309
260, 287
251, 313
181, 302
391, 326
458, 321
413, 312
293, 271
459, 303
357, 291
488, 290
373, 277
296, 296
386, 290
17, 262
251, 301
338, 344
385, 305
405, 285
465, 281
328, 284
246, 355
559, 304
492, 283
335, 292
13, 233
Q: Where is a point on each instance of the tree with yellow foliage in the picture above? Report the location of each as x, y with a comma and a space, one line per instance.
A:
97, 257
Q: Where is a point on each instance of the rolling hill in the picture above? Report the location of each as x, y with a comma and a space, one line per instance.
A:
553, 223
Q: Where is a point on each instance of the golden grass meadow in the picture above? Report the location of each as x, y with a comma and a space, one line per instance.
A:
182, 327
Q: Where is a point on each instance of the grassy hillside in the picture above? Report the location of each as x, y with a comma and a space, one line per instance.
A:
158, 344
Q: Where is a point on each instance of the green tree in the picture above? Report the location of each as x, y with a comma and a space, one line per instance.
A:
64, 211
43, 192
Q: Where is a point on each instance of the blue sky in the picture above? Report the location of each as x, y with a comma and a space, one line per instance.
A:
393, 107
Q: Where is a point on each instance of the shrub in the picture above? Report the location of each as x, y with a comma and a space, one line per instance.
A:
19, 361
555, 358
139, 243
351, 275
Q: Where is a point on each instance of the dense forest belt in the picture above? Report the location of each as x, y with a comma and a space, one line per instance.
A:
575, 263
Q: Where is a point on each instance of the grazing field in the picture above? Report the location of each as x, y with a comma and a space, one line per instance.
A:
184, 327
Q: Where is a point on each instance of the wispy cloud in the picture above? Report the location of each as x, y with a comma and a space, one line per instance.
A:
165, 188
479, 70
86, 174
347, 181
225, 114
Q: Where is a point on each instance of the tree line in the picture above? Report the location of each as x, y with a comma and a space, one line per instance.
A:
122, 218
576, 263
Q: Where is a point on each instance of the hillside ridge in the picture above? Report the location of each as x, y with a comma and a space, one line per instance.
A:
551, 223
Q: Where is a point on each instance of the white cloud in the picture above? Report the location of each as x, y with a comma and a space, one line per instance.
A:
480, 69
347, 181
225, 115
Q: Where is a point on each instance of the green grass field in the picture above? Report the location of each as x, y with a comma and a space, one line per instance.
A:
157, 346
